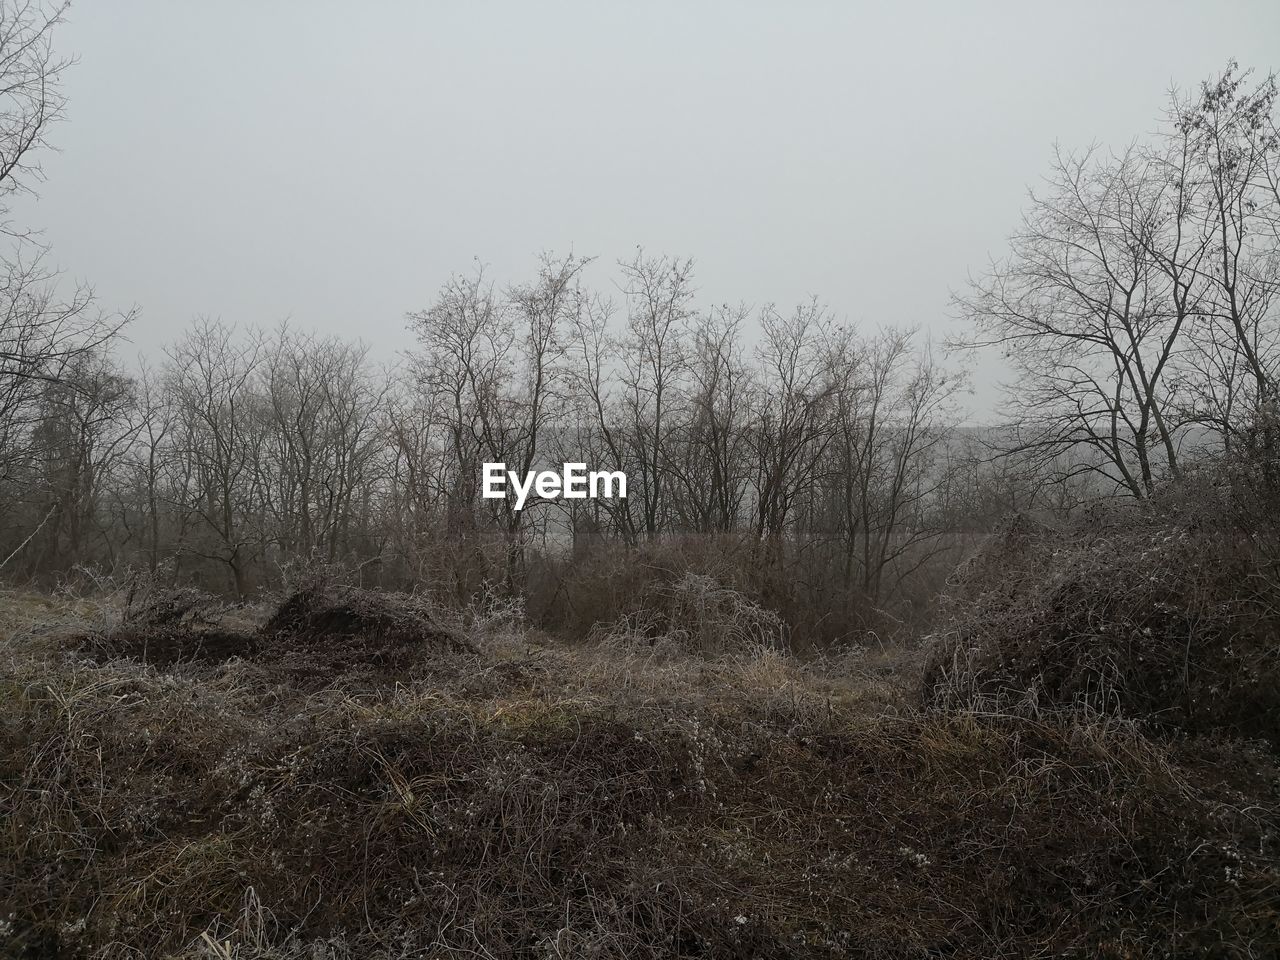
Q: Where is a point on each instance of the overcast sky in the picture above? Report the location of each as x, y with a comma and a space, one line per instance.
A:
335, 163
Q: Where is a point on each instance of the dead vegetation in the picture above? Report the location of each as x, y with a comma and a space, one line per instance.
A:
320, 633
1166, 611
696, 614
497, 796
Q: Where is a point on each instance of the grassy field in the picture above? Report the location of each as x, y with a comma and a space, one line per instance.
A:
356, 775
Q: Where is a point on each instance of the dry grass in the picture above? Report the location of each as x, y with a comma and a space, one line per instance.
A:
696, 614
506, 797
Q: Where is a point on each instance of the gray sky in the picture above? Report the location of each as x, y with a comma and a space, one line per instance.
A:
334, 163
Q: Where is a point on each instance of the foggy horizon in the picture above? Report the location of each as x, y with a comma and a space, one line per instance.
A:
255, 166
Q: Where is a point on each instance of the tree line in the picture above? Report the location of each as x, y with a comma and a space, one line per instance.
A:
243, 451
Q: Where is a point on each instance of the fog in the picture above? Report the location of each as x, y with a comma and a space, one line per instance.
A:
334, 164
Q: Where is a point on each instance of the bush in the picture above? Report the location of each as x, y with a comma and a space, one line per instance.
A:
695, 614
609, 584
1160, 610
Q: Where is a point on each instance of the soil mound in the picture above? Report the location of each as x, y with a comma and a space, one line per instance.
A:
346, 626
167, 627
1160, 611
317, 633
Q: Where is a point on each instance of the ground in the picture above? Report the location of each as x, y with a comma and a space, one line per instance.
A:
323, 784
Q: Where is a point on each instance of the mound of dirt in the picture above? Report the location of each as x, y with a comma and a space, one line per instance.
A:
342, 627
167, 645
1161, 611
166, 627
315, 635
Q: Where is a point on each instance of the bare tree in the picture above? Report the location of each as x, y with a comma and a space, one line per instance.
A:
47, 342
31, 98
1139, 298
156, 419
1229, 136
216, 468
892, 419
324, 426
710, 461
464, 338
654, 364
599, 431
40, 334
494, 366
793, 426
1083, 309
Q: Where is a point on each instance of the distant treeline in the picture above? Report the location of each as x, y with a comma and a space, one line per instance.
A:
245, 452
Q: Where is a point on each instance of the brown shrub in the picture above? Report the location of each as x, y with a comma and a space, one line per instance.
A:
149, 605
607, 583
322, 631
165, 627
800, 581
696, 614
1158, 610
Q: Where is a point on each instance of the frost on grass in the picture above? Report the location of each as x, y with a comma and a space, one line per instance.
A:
520, 798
